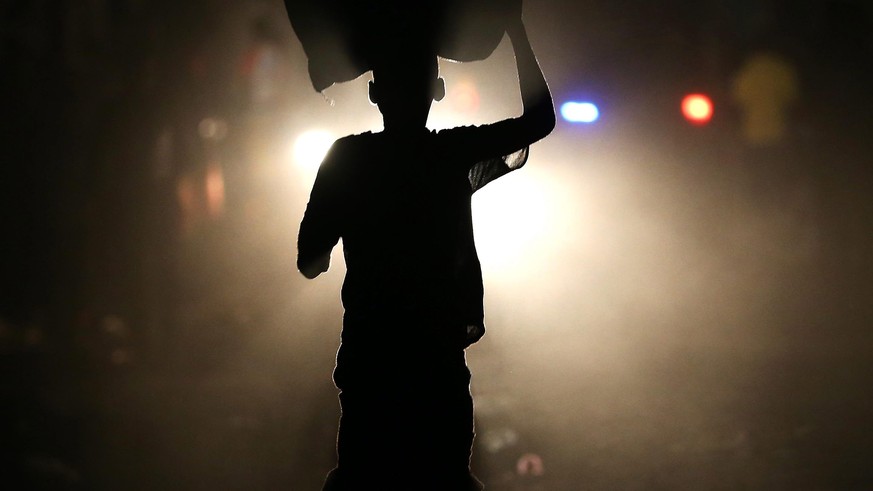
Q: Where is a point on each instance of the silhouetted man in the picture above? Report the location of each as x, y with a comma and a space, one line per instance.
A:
400, 201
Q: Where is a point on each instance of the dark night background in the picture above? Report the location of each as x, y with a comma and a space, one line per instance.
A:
696, 313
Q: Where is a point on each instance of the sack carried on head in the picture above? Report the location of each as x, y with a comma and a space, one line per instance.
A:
342, 38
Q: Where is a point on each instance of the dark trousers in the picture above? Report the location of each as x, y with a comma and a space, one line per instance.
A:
407, 417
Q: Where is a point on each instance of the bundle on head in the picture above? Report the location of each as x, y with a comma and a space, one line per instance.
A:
343, 39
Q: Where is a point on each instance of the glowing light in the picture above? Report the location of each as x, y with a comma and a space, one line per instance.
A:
499, 439
530, 464
311, 147
212, 129
511, 216
465, 97
580, 112
214, 190
697, 108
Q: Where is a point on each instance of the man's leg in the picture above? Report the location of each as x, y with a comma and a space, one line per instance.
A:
407, 421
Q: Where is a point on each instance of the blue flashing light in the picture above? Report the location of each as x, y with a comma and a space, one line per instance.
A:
579, 112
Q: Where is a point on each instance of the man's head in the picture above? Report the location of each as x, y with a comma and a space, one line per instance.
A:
405, 85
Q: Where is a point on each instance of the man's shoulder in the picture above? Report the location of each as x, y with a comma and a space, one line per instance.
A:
355, 139
346, 150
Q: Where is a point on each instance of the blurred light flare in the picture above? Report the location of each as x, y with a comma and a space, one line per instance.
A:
214, 189
580, 112
311, 147
464, 97
213, 129
697, 108
530, 464
511, 217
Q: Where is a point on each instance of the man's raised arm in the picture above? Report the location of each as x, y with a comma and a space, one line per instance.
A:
538, 118
503, 138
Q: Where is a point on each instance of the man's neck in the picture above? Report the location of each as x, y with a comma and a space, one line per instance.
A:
405, 129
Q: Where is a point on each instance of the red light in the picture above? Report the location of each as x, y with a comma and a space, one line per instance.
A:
465, 97
697, 108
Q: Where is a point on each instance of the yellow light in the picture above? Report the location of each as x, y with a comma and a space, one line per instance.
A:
311, 147
697, 108
511, 217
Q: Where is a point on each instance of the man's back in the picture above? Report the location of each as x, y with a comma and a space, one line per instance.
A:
401, 205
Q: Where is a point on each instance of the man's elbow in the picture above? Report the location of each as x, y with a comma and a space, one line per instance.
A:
546, 113
542, 121
548, 121
540, 118
313, 267
309, 273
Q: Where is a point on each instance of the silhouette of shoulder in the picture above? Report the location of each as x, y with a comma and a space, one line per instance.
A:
345, 150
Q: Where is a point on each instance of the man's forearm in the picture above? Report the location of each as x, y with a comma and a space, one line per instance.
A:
535, 96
